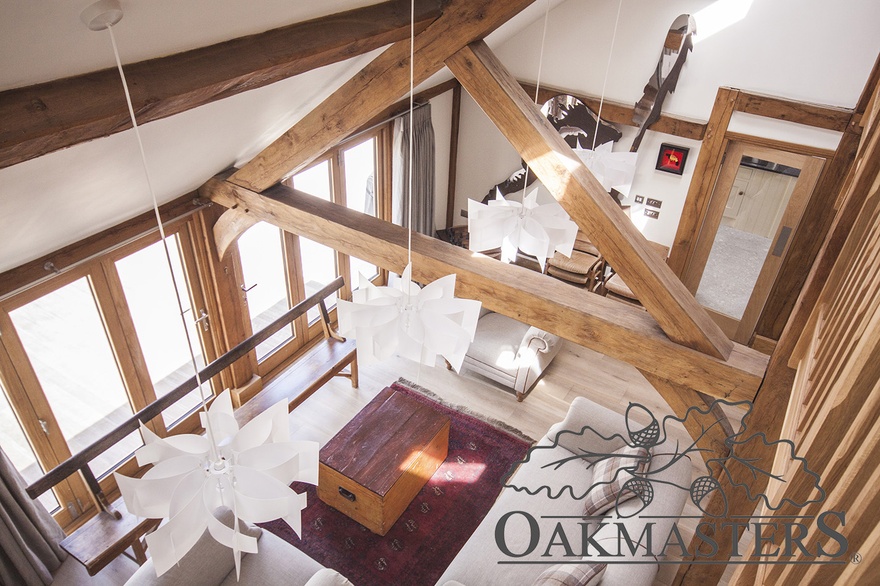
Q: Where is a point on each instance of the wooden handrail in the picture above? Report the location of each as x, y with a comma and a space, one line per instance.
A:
81, 460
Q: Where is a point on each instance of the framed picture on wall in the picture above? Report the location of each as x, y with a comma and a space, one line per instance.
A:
672, 158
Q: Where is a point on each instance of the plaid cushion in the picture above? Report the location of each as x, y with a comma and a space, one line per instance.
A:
571, 575
607, 483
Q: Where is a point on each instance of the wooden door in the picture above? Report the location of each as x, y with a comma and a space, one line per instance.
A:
753, 214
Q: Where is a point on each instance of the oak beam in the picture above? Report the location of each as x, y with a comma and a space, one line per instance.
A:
228, 227
619, 113
383, 81
559, 169
818, 116
705, 173
46, 117
615, 329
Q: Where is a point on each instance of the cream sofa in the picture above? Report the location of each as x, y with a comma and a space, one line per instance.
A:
476, 564
277, 563
511, 352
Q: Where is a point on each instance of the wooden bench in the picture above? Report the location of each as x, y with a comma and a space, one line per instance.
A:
113, 530
104, 537
306, 375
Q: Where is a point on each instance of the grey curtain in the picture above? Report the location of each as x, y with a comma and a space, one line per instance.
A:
422, 167
29, 536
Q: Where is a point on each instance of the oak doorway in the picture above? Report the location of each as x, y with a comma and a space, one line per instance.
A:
752, 217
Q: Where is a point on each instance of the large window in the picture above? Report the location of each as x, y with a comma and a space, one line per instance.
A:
64, 337
83, 351
155, 305
279, 269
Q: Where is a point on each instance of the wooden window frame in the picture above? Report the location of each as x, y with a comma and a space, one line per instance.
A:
307, 332
25, 393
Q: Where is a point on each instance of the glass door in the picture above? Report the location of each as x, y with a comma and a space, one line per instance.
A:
64, 337
755, 209
319, 264
155, 315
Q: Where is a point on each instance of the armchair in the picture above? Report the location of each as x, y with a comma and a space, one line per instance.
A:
511, 352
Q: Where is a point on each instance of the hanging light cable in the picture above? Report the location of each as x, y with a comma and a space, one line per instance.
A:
413, 322
247, 470
539, 230
615, 171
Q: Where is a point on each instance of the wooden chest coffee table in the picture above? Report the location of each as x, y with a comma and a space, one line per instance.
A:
373, 468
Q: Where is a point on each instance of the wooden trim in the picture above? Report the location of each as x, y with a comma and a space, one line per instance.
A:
781, 145
228, 227
626, 333
727, 324
619, 113
815, 225
34, 272
366, 94
791, 219
453, 154
46, 117
763, 345
74, 463
553, 161
231, 323
43, 446
700, 190
818, 116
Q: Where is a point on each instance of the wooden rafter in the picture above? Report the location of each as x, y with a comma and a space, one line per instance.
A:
619, 113
615, 329
559, 169
380, 83
46, 117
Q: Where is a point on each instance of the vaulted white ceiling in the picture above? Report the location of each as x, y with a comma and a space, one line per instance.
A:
62, 197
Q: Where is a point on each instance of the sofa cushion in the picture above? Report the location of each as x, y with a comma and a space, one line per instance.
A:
207, 563
328, 577
497, 342
609, 476
571, 575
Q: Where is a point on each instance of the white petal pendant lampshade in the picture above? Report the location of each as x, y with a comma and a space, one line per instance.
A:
538, 230
248, 470
410, 321
612, 170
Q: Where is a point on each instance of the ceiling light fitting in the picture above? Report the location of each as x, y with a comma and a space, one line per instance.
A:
408, 320
247, 470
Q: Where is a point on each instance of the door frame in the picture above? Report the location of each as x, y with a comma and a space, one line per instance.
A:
811, 166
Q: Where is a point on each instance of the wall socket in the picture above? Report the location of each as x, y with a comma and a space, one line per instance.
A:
652, 213
640, 199
654, 203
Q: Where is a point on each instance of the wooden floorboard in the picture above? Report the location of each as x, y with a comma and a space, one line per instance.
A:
576, 371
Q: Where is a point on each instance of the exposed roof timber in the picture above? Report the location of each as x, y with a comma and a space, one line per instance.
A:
562, 173
623, 114
612, 328
46, 117
369, 92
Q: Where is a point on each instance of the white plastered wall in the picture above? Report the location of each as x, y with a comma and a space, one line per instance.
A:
804, 50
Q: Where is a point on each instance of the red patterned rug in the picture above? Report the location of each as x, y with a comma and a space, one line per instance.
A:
425, 539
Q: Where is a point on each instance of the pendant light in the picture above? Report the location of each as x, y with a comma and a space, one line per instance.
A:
247, 470
405, 319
